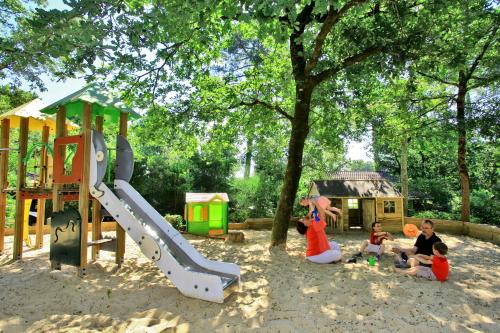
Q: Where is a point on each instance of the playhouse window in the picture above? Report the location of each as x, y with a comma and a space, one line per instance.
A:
197, 213
352, 203
389, 207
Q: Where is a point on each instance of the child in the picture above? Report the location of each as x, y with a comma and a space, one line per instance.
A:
439, 269
323, 206
374, 245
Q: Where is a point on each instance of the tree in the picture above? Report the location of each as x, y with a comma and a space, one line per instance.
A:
11, 97
160, 47
466, 57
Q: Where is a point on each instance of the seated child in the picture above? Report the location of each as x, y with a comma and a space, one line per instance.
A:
439, 269
322, 204
374, 245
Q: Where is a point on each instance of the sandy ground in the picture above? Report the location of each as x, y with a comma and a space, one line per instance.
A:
281, 292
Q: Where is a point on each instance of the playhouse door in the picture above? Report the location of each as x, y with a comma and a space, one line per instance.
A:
215, 216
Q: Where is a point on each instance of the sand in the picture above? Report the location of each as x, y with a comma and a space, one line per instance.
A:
281, 292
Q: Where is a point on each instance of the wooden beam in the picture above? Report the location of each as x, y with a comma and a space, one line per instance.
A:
57, 200
345, 215
96, 206
4, 169
21, 183
83, 202
120, 232
40, 215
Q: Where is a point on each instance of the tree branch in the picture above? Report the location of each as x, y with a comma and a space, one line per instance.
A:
276, 108
435, 78
297, 47
481, 54
331, 19
320, 77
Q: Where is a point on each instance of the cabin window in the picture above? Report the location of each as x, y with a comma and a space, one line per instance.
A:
352, 203
389, 207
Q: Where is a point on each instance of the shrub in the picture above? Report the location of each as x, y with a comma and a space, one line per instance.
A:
176, 221
484, 206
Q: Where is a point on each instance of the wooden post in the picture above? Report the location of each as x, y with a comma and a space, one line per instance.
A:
345, 214
120, 232
57, 201
40, 215
96, 206
4, 168
83, 200
21, 183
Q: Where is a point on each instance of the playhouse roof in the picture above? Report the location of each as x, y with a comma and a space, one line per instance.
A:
103, 104
37, 119
206, 197
360, 175
357, 184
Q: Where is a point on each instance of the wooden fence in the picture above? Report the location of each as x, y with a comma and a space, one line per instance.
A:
484, 232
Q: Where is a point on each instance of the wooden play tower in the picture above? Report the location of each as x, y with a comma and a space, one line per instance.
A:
26, 117
70, 180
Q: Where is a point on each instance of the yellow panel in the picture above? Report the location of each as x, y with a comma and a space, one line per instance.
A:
204, 213
190, 213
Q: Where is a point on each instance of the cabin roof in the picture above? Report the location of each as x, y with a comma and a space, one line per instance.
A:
361, 184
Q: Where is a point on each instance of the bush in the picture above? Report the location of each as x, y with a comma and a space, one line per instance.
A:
176, 221
436, 214
484, 206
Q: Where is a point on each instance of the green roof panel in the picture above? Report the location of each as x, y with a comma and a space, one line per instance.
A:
103, 104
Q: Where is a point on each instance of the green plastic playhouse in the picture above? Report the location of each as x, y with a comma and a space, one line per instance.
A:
206, 213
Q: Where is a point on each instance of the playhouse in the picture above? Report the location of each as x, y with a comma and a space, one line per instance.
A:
206, 213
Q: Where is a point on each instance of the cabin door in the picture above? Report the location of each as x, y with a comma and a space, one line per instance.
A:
368, 208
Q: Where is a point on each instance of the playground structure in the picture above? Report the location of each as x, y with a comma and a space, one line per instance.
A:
192, 274
26, 117
206, 213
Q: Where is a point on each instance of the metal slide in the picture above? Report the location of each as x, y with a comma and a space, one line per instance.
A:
192, 274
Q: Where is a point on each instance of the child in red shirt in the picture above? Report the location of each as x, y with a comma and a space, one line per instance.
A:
375, 244
439, 269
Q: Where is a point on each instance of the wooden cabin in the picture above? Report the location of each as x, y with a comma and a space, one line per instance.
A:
363, 196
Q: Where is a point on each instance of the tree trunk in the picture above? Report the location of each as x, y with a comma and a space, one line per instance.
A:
462, 149
376, 155
404, 173
248, 157
300, 130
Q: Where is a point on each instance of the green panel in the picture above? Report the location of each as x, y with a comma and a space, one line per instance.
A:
197, 228
215, 216
197, 213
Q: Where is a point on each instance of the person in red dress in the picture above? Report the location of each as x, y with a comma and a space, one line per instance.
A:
319, 249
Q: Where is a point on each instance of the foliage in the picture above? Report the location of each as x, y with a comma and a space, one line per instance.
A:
294, 78
12, 97
176, 221
243, 196
484, 206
